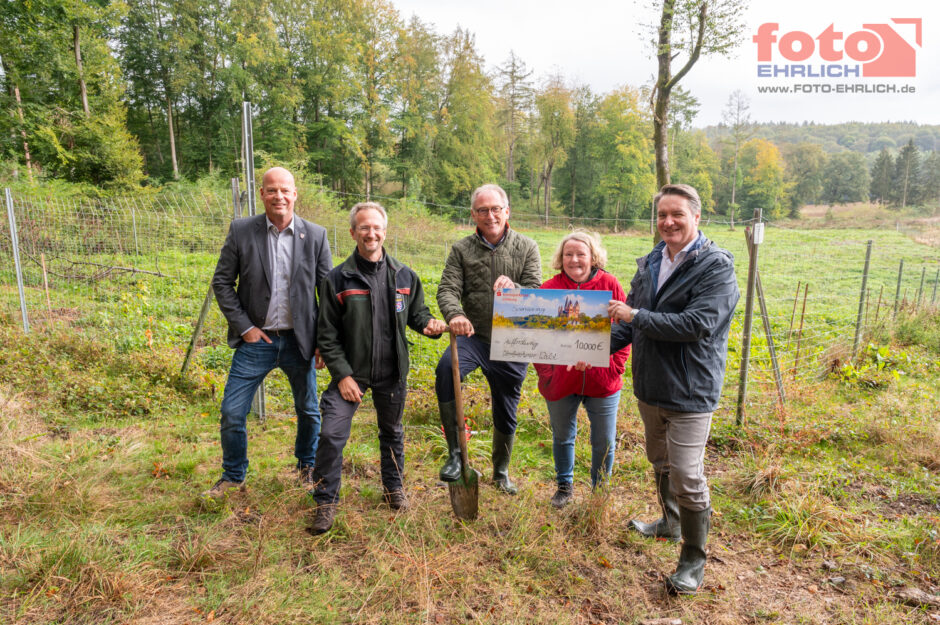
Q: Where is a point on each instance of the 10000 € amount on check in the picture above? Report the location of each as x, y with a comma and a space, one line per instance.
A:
551, 326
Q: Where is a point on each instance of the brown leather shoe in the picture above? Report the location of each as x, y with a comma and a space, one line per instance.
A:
220, 489
306, 479
322, 519
396, 499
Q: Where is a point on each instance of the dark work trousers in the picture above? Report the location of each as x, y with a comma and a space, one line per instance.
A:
505, 379
389, 402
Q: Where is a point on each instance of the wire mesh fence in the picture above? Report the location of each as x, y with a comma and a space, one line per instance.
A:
139, 268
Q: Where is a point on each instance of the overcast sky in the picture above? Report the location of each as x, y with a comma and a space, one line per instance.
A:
599, 42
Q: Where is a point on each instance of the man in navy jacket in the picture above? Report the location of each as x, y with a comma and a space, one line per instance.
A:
677, 315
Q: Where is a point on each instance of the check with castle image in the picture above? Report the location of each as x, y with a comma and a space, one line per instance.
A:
556, 327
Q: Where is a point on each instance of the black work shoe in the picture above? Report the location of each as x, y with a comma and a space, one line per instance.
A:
396, 499
562, 496
306, 479
322, 519
219, 490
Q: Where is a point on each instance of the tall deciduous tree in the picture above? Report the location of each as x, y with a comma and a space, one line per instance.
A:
762, 183
628, 179
845, 178
803, 171
515, 102
697, 165
578, 179
736, 118
555, 131
380, 33
65, 90
687, 30
419, 78
464, 150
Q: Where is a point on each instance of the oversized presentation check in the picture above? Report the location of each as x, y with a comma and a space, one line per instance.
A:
551, 326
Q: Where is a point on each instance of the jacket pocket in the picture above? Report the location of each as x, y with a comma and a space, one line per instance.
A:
685, 372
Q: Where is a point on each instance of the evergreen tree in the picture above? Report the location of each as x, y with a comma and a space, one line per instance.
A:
845, 179
906, 179
882, 172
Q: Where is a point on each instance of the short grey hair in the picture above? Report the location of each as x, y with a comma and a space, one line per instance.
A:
361, 206
593, 242
682, 190
490, 187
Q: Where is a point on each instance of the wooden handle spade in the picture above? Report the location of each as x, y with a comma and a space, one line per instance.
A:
464, 493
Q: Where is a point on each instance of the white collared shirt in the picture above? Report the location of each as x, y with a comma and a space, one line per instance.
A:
668, 267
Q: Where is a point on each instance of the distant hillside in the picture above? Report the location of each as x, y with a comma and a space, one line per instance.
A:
856, 136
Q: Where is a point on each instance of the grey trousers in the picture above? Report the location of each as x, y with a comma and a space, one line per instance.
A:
675, 445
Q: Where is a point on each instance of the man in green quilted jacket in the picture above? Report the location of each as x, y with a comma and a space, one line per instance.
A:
492, 258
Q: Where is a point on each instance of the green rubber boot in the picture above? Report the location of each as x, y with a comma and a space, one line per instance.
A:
691, 568
502, 453
450, 472
668, 526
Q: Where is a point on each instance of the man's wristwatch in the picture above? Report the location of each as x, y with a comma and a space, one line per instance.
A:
632, 314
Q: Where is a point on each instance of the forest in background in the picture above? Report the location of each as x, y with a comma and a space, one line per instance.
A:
116, 95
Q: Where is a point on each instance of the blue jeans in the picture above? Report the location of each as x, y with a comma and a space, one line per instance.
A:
505, 379
250, 364
602, 413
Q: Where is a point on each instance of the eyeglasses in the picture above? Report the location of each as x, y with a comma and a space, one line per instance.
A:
488, 209
368, 229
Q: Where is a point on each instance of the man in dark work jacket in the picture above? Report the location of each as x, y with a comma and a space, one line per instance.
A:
365, 305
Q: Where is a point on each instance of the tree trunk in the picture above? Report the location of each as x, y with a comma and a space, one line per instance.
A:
907, 177
169, 117
510, 168
734, 185
19, 110
548, 189
81, 72
663, 90
153, 129
573, 169
665, 81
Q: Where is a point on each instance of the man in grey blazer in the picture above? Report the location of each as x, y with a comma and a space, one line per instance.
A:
266, 282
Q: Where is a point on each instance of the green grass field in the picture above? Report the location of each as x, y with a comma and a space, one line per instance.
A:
826, 510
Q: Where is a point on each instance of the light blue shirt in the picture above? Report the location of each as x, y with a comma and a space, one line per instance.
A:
281, 255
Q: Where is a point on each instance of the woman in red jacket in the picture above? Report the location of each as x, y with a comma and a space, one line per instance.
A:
581, 260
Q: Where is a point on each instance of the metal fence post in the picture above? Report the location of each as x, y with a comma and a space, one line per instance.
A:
936, 279
134, 224
257, 404
897, 293
248, 142
920, 289
14, 240
861, 301
757, 238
